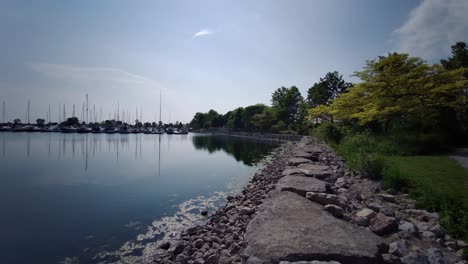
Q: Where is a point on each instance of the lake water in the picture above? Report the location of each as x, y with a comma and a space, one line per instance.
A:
89, 198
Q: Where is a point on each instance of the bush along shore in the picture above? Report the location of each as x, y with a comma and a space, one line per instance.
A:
306, 205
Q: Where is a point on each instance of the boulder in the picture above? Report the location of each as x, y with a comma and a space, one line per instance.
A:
408, 227
367, 213
314, 170
383, 225
414, 258
399, 248
246, 211
290, 228
335, 210
387, 197
306, 155
438, 230
293, 171
323, 198
435, 256
310, 262
297, 161
302, 185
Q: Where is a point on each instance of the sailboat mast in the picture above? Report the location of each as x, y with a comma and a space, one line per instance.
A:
87, 120
28, 113
3, 112
160, 102
48, 115
73, 110
141, 113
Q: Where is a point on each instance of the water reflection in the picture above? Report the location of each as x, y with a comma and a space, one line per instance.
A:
246, 150
80, 195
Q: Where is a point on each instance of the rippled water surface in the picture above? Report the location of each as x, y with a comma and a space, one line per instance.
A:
90, 198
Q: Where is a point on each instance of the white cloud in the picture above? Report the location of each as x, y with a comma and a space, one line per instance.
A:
203, 32
433, 27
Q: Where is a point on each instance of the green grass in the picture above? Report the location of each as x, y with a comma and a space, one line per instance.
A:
438, 183
442, 175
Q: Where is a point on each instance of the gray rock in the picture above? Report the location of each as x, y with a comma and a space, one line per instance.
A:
362, 221
462, 244
323, 198
438, 230
293, 171
451, 244
318, 171
408, 227
165, 245
310, 262
390, 259
429, 234
306, 155
398, 248
288, 227
212, 259
302, 185
341, 183
383, 225
387, 197
246, 211
335, 210
199, 243
387, 211
297, 161
367, 213
374, 206
199, 261
182, 259
435, 256
414, 258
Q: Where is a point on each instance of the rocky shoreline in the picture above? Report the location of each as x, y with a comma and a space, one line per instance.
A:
305, 206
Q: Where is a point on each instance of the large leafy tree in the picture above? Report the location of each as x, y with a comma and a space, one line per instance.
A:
288, 104
249, 112
327, 89
458, 120
399, 88
265, 120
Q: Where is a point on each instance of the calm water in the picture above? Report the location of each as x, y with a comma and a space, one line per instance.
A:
87, 198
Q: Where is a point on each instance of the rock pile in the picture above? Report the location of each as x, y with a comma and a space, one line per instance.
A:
307, 207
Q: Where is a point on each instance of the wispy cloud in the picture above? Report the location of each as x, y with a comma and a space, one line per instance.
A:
203, 32
433, 27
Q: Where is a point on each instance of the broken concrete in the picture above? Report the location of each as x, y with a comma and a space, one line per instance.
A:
302, 185
291, 228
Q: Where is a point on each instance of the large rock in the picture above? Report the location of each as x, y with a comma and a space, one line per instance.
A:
291, 228
383, 225
306, 155
314, 170
302, 185
297, 161
323, 198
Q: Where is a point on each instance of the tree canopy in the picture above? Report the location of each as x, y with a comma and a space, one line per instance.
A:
327, 89
397, 87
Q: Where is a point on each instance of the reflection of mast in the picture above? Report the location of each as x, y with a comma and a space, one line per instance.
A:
49, 146
86, 155
28, 145
159, 156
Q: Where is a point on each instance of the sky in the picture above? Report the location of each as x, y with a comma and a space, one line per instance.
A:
201, 55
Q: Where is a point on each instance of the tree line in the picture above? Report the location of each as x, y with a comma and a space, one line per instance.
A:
397, 92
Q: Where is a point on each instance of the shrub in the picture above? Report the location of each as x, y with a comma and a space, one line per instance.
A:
394, 178
331, 132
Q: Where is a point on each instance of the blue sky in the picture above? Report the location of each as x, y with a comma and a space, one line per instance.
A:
201, 54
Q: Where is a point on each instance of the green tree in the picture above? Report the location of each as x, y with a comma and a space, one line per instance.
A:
40, 122
327, 89
288, 105
265, 120
458, 120
198, 121
248, 114
398, 88
235, 119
